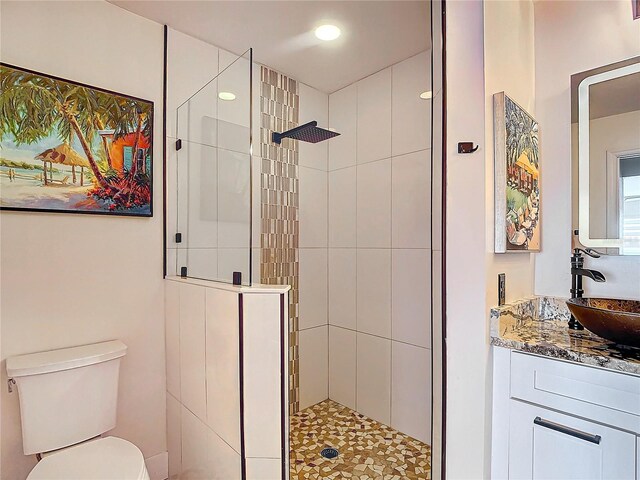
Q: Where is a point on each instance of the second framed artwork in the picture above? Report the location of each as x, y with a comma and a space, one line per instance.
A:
517, 177
68, 147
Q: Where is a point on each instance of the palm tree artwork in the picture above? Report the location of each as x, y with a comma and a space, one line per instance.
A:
523, 194
518, 190
42, 116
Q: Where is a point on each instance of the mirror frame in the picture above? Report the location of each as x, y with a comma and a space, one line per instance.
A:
583, 154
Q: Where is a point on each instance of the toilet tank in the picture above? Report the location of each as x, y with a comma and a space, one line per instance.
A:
67, 395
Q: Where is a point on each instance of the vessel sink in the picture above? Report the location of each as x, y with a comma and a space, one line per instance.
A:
615, 320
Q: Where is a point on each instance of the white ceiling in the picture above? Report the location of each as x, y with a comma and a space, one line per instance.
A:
375, 34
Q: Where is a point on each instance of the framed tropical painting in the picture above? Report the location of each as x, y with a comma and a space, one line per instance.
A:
517, 177
69, 147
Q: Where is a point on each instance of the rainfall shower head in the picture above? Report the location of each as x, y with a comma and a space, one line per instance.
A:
309, 132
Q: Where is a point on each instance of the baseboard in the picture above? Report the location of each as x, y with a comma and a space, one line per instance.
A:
158, 466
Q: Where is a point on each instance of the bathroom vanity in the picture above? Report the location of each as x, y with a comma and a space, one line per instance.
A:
566, 403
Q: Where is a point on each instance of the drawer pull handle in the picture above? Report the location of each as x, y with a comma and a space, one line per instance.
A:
568, 430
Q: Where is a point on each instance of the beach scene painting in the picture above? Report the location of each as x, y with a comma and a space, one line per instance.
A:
69, 147
517, 178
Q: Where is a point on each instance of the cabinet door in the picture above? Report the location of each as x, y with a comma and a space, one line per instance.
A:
547, 445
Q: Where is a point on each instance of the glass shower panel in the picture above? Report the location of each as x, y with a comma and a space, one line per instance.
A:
214, 175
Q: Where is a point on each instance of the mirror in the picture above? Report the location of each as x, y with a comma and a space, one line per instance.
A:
606, 148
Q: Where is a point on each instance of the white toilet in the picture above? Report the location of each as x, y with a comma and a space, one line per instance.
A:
68, 399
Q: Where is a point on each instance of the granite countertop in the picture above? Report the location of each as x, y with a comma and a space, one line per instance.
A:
538, 325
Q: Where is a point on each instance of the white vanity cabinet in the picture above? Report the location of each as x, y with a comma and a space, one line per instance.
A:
544, 444
554, 419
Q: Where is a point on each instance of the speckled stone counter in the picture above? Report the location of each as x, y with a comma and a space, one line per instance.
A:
539, 325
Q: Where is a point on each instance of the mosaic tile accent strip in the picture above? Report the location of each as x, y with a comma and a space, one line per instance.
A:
279, 107
368, 449
539, 325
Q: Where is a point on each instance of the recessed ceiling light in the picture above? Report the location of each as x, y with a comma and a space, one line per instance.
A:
327, 32
228, 96
426, 95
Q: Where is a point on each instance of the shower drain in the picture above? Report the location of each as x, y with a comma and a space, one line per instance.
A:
329, 453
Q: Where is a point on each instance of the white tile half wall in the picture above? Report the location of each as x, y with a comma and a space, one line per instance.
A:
205, 381
379, 250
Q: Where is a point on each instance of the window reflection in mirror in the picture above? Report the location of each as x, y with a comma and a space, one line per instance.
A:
629, 209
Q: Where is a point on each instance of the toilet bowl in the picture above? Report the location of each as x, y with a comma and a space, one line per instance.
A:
108, 458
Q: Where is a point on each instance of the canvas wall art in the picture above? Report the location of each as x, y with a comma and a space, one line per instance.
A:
69, 147
517, 178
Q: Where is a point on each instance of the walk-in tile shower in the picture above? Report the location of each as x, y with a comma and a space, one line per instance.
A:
346, 223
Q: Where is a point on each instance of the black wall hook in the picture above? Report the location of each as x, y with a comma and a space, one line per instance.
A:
467, 147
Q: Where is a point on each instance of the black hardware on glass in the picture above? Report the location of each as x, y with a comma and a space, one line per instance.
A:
309, 132
183, 272
467, 147
178, 144
237, 278
577, 272
178, 238
568, 430
502, 289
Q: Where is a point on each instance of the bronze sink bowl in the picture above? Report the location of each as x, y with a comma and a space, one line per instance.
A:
615, 320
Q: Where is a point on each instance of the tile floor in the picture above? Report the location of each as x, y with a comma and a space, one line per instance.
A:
368, 450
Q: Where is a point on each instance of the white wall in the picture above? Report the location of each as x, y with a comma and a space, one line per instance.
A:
612, 134
379, 247
572, 37
509, 67
466, 335
489, 50
77, 279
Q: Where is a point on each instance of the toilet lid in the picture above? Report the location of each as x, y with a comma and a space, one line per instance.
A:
108, 458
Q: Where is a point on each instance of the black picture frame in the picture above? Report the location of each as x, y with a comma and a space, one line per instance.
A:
150, 121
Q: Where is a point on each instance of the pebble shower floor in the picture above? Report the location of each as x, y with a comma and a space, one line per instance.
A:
368, 450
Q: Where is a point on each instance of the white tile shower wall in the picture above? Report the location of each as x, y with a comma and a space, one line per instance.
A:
411, 277
342, 366
342, 287
313, 287
262, 380
342, 207
314, 105
409, 391
373, 291
410, 127
379, 261
410, 201
314, 365
192, 351
217, 177
374, 117
222, 369
373, 377
373, 204
174, 436
203, 402
313, 207
191, 63
343, 118
313, 253
203, 411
